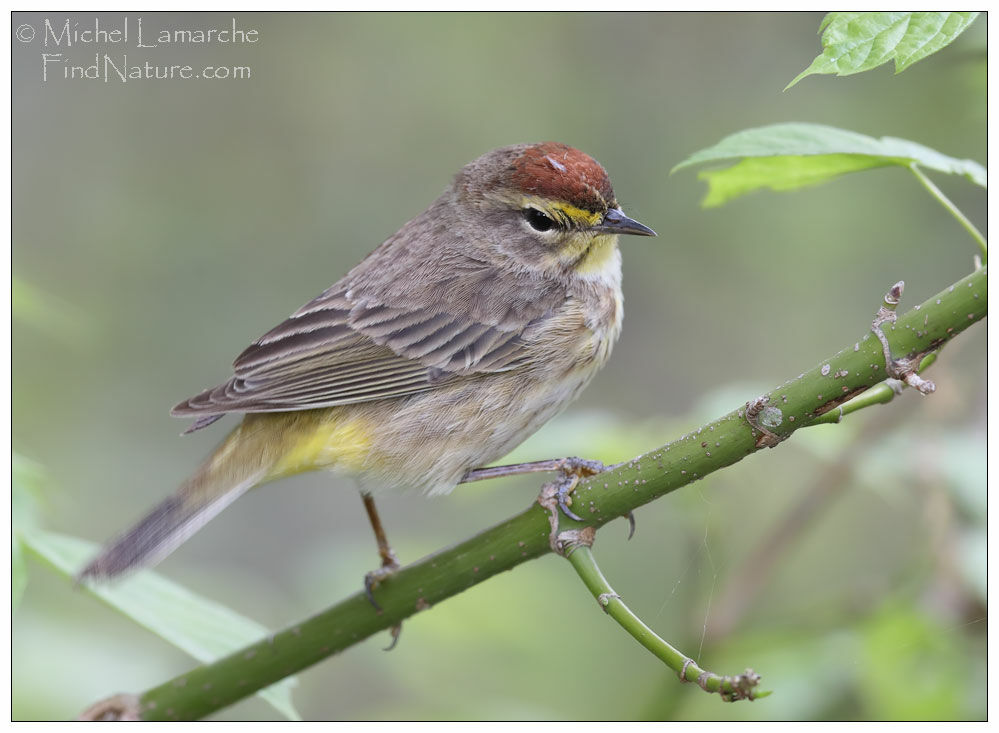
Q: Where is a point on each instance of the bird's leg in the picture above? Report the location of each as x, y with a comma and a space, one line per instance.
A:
389, 559
572, 470
390, 563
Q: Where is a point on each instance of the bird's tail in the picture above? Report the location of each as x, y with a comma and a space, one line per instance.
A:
237, 465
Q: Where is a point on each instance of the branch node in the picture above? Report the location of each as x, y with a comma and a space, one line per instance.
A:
923, 386
886, 314
569, 539
604, 600
552, 499
901, 369
115, 708
761, 417
743, 686
548, 499
905, 370
683, 670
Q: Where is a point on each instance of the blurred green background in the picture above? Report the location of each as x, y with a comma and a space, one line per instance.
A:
161, 226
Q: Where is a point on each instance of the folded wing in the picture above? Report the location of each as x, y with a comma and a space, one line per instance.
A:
336, 351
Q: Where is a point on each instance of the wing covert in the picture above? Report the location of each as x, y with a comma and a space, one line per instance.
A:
335, 352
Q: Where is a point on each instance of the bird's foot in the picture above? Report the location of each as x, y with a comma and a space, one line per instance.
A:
390, 565
572, 470
581, 467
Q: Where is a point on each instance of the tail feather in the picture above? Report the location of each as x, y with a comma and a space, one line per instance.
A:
235, 467
159, 533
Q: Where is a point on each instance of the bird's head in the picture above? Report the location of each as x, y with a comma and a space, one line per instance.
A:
548, 205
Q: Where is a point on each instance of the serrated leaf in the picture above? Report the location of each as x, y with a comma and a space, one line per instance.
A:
855, 42
793, 155
204, 629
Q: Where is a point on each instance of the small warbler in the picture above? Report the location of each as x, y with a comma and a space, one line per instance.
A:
446, 347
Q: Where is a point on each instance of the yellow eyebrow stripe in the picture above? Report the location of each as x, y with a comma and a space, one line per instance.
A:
576, 214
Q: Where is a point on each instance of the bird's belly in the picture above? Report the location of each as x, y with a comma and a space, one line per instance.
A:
431, 440
436, 437
428, 441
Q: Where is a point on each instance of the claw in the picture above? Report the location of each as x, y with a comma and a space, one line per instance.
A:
395, 631
374, 578
371, 581
566, 485
369, 588
631, 524
573, 469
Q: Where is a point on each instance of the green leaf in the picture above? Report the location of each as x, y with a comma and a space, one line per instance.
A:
855, 42
792, 155
49, 314
18, 573
204, 629
27, 481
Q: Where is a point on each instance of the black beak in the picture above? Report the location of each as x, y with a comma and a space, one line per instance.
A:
615, 222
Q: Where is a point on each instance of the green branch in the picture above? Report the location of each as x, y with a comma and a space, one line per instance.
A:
879, 394
954, 211
730, 687
599, 499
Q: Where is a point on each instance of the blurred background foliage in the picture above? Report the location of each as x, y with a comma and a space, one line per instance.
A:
160, 226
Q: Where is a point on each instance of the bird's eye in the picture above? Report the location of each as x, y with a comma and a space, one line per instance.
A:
538, 220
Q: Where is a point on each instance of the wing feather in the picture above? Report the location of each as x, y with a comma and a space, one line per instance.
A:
359, 341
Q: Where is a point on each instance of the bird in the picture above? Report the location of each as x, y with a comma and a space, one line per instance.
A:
447, 346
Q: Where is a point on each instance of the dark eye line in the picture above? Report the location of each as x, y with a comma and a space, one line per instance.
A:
546, 220
539, 220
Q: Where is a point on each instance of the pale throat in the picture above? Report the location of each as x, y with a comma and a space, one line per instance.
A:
602, 260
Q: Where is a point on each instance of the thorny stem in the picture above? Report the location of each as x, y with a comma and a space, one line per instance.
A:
599, 499
901, 368
955, 212
730, 687
879, 394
